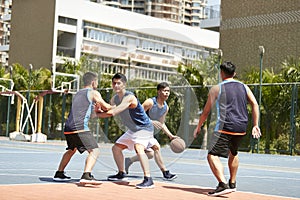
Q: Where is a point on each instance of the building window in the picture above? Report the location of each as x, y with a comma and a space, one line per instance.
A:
105, 37
67, 20
66, 44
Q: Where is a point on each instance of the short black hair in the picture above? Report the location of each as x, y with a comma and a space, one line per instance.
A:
88, 77
162, 85
228, 68
120, 76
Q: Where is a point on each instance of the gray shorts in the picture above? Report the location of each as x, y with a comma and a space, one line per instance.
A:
82, 141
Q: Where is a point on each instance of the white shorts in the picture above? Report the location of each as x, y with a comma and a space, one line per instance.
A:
142, 137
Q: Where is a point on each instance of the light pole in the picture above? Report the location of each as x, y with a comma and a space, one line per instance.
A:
99, 70
261, 55
220, 55
9, 102
99, 82
129, 60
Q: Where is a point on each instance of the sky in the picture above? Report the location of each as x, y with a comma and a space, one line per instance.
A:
213, 2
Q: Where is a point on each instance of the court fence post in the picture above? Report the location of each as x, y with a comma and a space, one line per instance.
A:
186, 115
8, 103
293, 118
106, 119
63, 115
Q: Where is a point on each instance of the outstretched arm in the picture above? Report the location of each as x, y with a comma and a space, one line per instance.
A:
97, 98
164, 128
99, 103
212, 96
129, 101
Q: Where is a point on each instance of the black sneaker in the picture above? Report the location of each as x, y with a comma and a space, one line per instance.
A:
232, 186
128, 162
221, 189
168, 176
120, 176
61, 177
88, 178
147, 183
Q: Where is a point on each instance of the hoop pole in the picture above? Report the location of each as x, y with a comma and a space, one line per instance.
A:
35, 113
18, 115
8, 115
40, 114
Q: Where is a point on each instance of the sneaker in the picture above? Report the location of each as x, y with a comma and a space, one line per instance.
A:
232, 186
120, 176
88, 178
168, 176
221, 189
147, 183
61, 177
128, 162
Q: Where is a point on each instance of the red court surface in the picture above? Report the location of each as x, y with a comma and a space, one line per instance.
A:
115, 191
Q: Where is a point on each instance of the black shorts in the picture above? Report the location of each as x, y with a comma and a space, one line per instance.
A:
82, 141
221, 144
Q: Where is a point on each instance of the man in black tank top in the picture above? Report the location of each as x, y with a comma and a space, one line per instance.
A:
232, 97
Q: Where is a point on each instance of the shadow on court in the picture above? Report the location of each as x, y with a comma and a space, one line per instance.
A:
194, 190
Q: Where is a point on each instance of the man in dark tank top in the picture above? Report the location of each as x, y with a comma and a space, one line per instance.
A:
231, 98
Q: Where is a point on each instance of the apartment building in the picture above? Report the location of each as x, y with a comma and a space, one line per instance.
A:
5, 13
188, 12
115, 40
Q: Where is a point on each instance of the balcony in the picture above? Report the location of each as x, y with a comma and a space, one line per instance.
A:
6, 17
65, 51
212, 22
4, 48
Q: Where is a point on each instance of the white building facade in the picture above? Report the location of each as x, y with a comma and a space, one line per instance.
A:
114, 40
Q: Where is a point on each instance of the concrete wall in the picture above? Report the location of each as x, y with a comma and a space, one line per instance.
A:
246, 25
32, 26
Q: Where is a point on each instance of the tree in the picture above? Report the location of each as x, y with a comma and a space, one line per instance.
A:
276, 102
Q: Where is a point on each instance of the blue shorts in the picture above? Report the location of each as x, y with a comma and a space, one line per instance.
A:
82, 141
221, 144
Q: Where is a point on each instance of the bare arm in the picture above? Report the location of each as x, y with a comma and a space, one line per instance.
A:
129, 101
164, 127
97, 98
255, 113
212, 96
147, 105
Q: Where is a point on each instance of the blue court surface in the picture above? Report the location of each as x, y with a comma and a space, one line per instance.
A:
30, 163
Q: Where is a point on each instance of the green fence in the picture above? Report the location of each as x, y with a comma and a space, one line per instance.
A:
279, 117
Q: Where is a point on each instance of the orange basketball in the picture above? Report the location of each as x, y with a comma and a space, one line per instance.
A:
177, 145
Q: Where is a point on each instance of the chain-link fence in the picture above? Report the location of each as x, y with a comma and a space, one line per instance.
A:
279, 116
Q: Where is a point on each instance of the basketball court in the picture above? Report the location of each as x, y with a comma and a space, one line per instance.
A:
27, 169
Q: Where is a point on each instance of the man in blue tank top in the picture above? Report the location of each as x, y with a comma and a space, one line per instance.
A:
231, 98
77, 132
157, 109
139, 130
